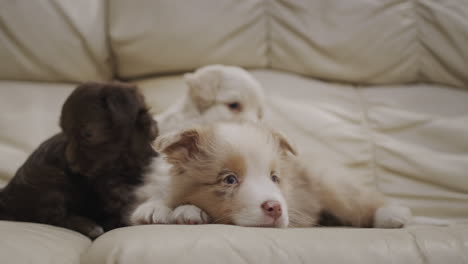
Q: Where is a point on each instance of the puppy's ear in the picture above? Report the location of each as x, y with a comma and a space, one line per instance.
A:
121, 103
203, 87
284, 144
181, 146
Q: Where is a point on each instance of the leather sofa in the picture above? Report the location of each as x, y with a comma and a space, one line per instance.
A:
382, 86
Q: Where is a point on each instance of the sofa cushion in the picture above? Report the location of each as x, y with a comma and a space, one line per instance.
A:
373, 42
233, 244
53, 41
40, 244
150, 37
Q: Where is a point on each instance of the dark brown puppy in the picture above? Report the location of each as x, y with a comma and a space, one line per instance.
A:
83, 178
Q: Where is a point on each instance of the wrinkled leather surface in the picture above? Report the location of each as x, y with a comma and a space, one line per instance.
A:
53, 40
36, 243
375, 42
150, 37
232, 244
360, 41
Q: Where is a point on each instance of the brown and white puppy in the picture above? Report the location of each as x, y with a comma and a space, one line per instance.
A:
83, 178
245, 174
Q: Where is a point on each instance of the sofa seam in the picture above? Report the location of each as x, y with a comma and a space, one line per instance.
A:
419, 249
370, 135
100, 68
268, 37
418, 39
10, 36
112, 58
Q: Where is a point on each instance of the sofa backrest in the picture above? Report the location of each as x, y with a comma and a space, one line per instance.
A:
377, 42
53, 40
358, 41
154, 37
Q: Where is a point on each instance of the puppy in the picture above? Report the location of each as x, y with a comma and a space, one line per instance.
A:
83, 178
245, 174
215, 93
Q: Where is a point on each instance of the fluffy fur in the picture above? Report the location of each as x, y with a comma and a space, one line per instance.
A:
215, 93
245, 174
83, 178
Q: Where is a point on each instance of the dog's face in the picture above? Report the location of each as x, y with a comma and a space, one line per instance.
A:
104, 123
232, 171
225, 93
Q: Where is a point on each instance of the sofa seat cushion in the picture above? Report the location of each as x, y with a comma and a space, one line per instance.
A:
37, 243
233, 244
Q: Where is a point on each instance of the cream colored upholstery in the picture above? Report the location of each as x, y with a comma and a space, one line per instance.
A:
175, 35
395, 112
376, 42
232, 244
36, 243
53, 40
29, 114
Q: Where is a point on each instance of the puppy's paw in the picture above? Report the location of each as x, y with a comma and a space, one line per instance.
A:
151, 212
392, 216
95, 232
191, 215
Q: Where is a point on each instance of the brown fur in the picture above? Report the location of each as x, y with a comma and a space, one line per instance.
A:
313, 194
83, 178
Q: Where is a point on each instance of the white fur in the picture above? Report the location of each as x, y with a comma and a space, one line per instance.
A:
252, 194
392, 216
190, 214
152, 211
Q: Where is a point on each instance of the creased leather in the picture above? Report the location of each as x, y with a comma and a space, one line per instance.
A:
40, 244
232, 244
53, 41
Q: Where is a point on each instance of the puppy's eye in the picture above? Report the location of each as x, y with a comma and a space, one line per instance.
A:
275, 178
234, 106
230, 179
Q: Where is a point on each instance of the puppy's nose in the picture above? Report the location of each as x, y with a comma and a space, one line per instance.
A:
272, 208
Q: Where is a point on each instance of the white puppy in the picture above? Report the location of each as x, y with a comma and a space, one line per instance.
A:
215, 93
246, 174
